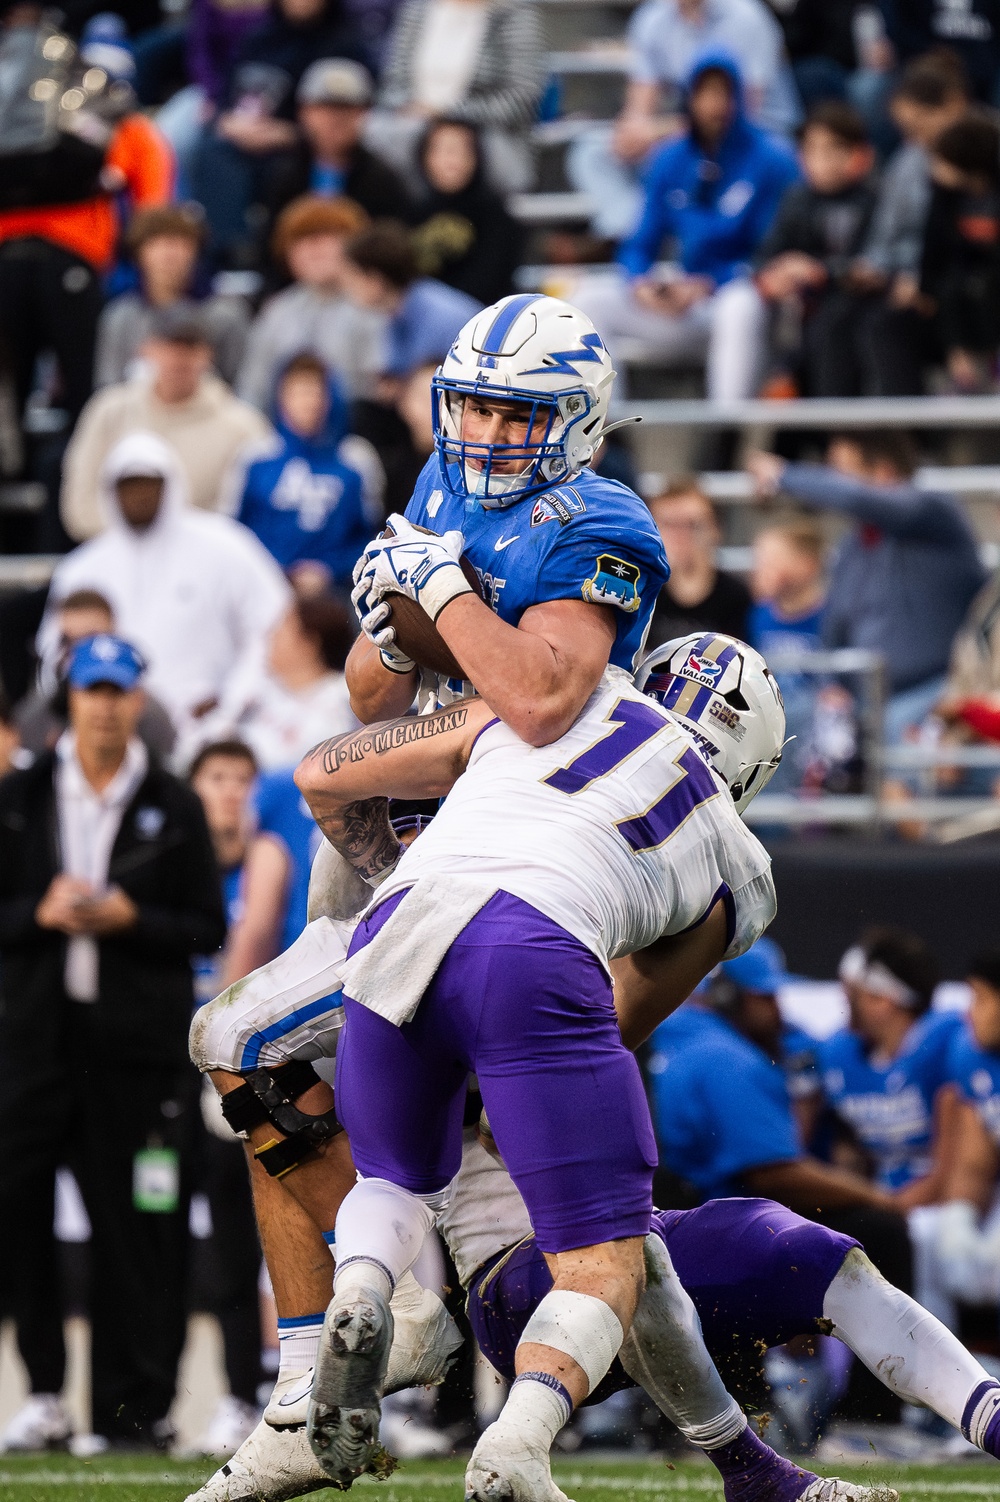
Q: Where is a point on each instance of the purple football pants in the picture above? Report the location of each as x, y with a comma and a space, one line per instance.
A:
756, 1272
528, 1009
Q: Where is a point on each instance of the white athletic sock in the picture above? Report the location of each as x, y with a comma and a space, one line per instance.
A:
913, 1353
665, 1353
536, 1409
298, 1343
380, 1228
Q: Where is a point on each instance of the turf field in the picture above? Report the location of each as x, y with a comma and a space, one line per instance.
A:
58, 1478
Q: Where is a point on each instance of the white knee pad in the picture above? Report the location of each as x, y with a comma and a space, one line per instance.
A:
584, 1328
288, 1009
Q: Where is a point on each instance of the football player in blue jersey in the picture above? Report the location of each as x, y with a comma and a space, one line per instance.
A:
883, 1076
570, 564
962, 1235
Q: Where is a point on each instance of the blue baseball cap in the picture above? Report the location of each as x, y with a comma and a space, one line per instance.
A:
761, 969
105, 659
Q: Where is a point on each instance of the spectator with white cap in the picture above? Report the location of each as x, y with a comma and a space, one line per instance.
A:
196, 592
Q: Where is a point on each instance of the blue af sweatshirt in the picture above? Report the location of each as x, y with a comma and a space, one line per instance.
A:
717, 208
304, 501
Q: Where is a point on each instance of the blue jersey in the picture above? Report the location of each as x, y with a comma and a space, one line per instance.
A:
977, 1075
720, 1106
206, 966
891, 1106
283, 812
592, 540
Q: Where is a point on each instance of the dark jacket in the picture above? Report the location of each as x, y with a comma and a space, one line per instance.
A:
162, 858
469, 240
831, 227
960, 267
272, 58
379, 190
972, 30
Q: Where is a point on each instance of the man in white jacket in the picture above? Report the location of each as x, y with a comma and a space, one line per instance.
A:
196, 592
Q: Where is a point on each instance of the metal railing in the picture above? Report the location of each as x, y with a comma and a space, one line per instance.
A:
819, 412
943, 817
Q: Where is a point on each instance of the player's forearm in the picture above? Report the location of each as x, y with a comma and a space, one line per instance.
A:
347, 780
653, 982
376, 693
806, 1185
535, 685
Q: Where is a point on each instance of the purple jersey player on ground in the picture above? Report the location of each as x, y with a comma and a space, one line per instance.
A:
791, 1277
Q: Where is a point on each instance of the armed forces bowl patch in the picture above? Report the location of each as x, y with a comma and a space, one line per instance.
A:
614, 582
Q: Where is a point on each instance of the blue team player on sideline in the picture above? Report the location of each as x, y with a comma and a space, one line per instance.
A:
883, 1075
964, 1231
570, 564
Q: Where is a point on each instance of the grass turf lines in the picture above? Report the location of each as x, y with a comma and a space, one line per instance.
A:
58, 1478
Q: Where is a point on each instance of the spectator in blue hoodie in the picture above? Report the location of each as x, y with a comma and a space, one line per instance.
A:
712, 193
304, 492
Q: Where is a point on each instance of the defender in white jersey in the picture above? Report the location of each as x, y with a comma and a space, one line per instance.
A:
688, 809
515, 921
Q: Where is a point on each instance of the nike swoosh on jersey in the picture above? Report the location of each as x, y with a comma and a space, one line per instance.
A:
504, 542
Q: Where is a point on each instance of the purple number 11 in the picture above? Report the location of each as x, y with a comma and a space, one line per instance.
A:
632, 725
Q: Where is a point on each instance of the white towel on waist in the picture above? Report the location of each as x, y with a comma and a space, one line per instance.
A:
391, 974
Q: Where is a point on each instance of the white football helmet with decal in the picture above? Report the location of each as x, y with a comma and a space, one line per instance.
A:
541, 353
725, 694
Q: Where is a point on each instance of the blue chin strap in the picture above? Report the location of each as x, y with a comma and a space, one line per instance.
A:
468, 468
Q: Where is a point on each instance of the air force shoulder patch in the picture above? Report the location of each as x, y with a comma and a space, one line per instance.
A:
614, 582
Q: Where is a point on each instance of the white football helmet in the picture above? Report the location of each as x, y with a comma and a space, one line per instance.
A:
537, 351
724, 693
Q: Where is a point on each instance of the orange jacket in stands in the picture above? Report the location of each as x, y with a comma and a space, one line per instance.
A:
90, 229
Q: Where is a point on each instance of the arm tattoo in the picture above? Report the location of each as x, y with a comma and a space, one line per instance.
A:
362, 833
357, 744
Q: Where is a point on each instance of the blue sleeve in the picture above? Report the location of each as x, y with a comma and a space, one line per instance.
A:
642, 247
752, 1122
900, 510
416, 506
621, 564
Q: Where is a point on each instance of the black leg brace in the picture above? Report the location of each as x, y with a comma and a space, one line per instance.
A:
270, 1095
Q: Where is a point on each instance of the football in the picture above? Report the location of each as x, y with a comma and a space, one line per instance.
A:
417, 634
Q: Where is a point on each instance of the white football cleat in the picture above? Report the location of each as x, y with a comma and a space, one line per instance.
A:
41, 1423
832, 1489
288, 1404
231, 1424
271, 1466
425, 1338
505, 1469
348, 1385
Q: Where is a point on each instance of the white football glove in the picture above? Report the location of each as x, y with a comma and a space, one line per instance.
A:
423, 566
373, 615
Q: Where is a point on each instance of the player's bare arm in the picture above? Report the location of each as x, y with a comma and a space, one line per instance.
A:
538, 675
347, 780
653, 982
535, 676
